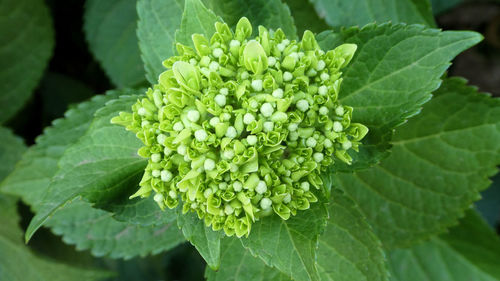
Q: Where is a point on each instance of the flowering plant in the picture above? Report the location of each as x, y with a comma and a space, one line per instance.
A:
307, 140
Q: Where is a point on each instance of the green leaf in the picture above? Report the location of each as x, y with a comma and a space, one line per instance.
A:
110, 29
77, 221
238, 264
272, 14
393, 73
11, 150
206, 241
27, 39
348, 249
158, 21
140, 211
470, 251
94, 229
305, 17
289, 245
196, 18
362, 12
440, 161
17, 262
103, 165
440, 6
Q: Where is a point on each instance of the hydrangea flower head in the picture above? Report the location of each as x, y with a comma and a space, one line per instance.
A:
240, 128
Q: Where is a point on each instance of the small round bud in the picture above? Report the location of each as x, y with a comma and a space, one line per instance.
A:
318, 157
217, 52
311, 142
220, 100
321, 65
346, 145
287, 76
209, 164
323, 90
214, 121
267, 109
261, 187
303, 105
281, 47
337, 127
293, 127
224, 91
161, 139
328, 143
257, 85
172, 194
142, 111
231, 132
155, 157
339, 110
248, 118
305, 186
228, 154
200, 135
323, 110
166, 175
237, 186
182, 149
178, 126
228, 209
223, 185
155, 173
287, 198
265, 203
252, 139
234, 43
268, 126
193, 116
324, 76
254, 104
207, 193
158, 197
213, 66
271, 61
278, 93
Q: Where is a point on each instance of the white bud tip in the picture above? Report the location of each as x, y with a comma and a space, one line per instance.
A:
182, 149
337, 126
268, 126
252, 139
209, 164
231, 132
237, 186
257, 85
303, 105
172, 194
346, 145
161, 139
166, 175
224, 91
265, 203
142, 111
287, 198
278, 93
323, 90
318, 157
271, 61
228, 154
193, 115
324, 76
339, 110
321, 65
293, 127
287, 76
155, 173
323, 110
217, 52
267, 109
261, 187
158, 197
305, 186
178, 126
234, 43
248, 118
228, 210
200, 135
155, 157
328, 143
311, 142
214, 121
220, 100
213, 66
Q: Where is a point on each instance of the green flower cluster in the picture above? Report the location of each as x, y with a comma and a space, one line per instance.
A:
238, 128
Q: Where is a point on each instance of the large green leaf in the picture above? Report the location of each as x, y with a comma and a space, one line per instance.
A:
269, 13
238, 264
103, 165
110, 29
77, 221
18, 263
206, 241
393, 73
27, 39
440, 161
158, 21
362, 12
348, 249
11, 150
470, 251
305, 17
196, 18
289, 245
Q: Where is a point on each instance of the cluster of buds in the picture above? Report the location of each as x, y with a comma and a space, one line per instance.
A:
238, 128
